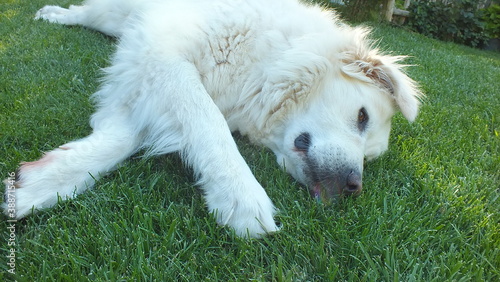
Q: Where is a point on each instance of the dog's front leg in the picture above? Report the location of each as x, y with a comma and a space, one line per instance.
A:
70, 169
231, 191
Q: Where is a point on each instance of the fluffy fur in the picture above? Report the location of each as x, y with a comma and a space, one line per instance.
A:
185, 74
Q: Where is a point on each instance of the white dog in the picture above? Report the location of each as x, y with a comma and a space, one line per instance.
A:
288, 75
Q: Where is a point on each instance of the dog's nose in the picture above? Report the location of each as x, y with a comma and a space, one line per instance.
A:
353, 185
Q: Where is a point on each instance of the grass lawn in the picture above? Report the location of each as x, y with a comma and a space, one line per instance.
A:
430, 210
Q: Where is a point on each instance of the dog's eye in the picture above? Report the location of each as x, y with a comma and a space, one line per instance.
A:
303, 142
362, 119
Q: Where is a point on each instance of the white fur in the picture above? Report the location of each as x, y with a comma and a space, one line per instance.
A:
187, 73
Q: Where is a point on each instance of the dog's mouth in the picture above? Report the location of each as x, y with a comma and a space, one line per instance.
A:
330, 189
319, 194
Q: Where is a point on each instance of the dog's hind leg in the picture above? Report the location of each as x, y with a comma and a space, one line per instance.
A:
106, 16
71, 169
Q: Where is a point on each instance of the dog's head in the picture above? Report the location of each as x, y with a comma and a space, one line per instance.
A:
336, 112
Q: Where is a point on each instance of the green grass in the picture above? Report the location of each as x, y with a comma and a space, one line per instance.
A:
430, 210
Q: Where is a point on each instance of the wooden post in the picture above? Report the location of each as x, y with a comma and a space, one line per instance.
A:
399, 15
389, 9
407, 4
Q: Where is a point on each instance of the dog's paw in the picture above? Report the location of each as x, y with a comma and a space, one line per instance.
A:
40, 184
50, 13
250, 214
22, 197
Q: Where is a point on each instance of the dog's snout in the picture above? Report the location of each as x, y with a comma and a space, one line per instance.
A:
353, 185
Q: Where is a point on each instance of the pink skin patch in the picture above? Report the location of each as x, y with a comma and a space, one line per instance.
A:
47, 158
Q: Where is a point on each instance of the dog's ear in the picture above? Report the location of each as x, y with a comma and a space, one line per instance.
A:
385, 72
